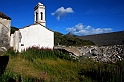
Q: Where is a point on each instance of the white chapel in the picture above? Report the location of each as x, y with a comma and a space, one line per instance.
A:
36, 34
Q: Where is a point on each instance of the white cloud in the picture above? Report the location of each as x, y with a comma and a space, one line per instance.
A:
60, 12
80, 29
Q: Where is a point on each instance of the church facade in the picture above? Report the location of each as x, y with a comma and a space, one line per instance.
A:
36, 34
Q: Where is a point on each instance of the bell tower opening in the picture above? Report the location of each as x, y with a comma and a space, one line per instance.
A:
36, 16
39, 14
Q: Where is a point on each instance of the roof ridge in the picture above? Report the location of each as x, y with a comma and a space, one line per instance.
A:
36, 24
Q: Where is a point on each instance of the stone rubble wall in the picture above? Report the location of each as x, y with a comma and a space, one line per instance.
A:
4, 38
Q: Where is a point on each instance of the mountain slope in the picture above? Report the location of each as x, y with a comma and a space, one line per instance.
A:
69, 40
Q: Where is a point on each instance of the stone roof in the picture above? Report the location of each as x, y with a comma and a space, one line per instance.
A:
2, 15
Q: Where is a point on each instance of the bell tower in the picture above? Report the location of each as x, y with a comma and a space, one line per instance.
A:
39, 14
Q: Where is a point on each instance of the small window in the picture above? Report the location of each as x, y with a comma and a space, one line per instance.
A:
41, 16
22, 44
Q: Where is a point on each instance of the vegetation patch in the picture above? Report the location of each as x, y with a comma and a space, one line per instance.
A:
46, 65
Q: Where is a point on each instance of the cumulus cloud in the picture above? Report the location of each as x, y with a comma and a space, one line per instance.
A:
80, 29
61, 12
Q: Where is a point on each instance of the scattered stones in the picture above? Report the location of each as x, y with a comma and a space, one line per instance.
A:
98, 53
104, 53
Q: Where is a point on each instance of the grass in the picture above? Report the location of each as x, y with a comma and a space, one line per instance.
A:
49, 66
45, 65
104, 72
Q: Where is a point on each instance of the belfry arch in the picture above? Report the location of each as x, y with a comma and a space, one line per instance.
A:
39, 14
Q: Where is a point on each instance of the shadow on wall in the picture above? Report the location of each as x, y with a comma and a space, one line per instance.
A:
3, 63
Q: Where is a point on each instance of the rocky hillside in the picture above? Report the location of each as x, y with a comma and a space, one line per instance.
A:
103, 53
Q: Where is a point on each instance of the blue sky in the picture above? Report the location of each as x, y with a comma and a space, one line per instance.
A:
81, 17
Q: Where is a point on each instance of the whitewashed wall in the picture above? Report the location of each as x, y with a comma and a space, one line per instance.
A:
11, 40
36, 35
